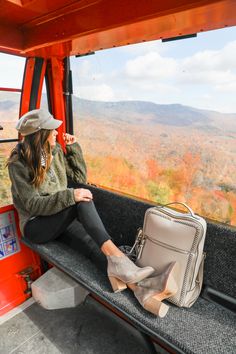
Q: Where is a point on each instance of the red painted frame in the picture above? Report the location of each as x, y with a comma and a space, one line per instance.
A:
63, 28
27, 86
55, 72
12, 285
10, 89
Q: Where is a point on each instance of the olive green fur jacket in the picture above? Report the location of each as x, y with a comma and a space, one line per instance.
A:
53, 195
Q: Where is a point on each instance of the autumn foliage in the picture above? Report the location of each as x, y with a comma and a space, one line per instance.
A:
162, 185
158, 163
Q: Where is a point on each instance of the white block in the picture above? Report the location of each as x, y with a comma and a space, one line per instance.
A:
56, 290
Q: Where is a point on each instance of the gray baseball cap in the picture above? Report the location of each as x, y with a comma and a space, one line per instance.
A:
37, 119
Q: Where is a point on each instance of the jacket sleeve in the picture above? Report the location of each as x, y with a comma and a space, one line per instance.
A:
33, 202
75, 164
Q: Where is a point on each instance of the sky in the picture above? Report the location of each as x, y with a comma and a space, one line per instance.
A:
198, 72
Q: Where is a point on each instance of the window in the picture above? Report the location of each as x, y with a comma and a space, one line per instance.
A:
158, 121
12, 69
5, 191
9, 110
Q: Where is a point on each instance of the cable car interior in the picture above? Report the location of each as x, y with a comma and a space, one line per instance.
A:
47, 34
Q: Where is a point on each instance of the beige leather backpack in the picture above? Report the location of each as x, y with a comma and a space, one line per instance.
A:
168, 236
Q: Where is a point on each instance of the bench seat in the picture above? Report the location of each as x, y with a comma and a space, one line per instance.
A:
204, 328
207, 327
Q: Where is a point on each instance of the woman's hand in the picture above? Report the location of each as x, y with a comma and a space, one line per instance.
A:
82, 195
69, 139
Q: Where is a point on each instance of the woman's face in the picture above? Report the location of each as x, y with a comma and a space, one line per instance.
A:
52, 138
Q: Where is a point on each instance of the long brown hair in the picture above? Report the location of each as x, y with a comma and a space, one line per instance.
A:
31, 150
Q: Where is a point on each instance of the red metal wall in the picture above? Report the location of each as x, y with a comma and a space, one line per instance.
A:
15, 257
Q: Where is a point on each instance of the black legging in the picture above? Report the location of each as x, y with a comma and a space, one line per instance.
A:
42, 229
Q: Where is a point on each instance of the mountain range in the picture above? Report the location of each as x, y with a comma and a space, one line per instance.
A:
149, 113
135, 112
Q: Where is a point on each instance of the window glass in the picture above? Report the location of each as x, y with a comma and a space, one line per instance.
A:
5, 185
44, 98
12, 69
9, 114
158, 121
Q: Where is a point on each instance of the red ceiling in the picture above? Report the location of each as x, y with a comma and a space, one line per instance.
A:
65, 27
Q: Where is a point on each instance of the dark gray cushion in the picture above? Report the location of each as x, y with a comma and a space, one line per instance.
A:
204, 328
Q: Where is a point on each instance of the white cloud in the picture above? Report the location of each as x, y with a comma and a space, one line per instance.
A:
154, 75
84, 74
210, 77
216, 68
229, 87
83, 69
101, 92
143, 48
213, 59
12, 71
203, 61
150, 66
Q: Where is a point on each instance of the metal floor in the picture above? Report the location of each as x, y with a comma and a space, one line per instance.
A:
88, 328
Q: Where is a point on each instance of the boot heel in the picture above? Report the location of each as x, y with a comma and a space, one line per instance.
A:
156, 307
117, 284
171, 286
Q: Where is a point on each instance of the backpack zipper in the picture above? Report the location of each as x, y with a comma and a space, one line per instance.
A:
168, 246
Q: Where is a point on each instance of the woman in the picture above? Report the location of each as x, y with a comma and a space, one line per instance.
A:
38, 169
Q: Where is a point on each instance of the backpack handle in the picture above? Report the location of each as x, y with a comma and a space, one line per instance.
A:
183, 204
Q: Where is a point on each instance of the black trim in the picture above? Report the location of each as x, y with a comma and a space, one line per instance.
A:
68, 91
219, 298
8, 140
84, 55
49, 99
23, 81
179, 37
35, 83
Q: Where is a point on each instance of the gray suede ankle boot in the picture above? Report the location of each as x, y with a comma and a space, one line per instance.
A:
151, 291
122, 271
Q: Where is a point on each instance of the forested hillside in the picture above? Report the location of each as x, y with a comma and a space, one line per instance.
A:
162, 153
